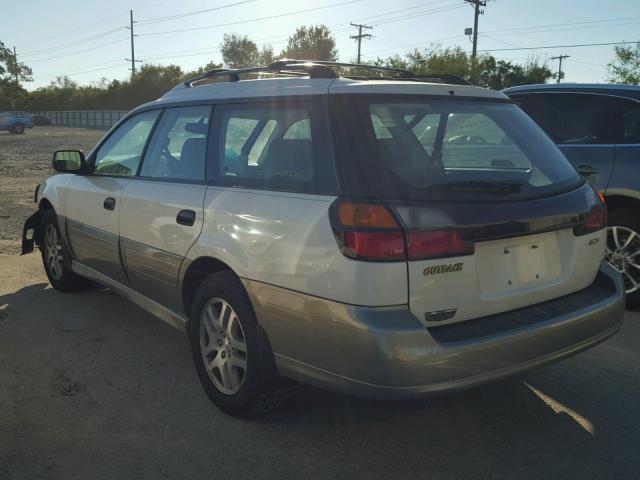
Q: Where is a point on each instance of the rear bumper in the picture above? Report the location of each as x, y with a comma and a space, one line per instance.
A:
387, 352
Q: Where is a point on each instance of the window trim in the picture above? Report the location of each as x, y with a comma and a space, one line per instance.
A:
91, 161
316, 106
207, 146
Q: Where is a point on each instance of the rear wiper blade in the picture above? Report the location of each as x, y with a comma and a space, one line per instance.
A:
479, 186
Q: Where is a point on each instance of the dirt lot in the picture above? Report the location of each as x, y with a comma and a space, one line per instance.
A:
25, 160
91, 387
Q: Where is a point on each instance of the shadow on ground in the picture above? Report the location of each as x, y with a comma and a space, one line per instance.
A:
93, 387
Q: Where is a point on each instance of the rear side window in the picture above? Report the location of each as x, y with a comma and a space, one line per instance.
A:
178, 146
574, 119
278, 146
120, 153
629, 121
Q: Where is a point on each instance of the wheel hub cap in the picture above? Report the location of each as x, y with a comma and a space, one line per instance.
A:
53, 252
623, 254
223, 346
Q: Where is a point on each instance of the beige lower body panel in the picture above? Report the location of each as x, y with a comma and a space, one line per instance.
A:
151, 306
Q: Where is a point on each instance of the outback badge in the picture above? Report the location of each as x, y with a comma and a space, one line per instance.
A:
437, 269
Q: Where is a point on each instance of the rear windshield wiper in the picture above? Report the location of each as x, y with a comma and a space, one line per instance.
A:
479, 186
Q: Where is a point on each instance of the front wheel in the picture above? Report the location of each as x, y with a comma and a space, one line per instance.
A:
18, 128
231, 355
56, 257
623, 251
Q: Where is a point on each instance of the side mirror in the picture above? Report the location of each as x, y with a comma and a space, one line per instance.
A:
69, 161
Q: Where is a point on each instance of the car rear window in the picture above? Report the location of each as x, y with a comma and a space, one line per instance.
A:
425, 148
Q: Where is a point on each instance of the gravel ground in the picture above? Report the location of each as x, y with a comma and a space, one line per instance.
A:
91, 387
25, 161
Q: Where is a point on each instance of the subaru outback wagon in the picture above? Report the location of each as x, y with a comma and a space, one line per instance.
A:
386, 236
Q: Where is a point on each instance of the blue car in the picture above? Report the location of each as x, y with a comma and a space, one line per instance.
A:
597, 127
15, 122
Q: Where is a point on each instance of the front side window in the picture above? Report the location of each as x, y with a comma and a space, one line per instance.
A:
120, 154
275, 146
574, 119
178, 147
451, 150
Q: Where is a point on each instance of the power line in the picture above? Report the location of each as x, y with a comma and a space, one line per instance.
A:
360, 35
251, 20
557, 46
571, 24
74, 43
401, 10
78, 51
417, 14
150, 21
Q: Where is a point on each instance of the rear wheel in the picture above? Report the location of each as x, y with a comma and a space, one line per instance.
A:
623, 251
231, 355
18, 128
56, 257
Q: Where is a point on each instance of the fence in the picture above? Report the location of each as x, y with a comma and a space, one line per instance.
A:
104, 119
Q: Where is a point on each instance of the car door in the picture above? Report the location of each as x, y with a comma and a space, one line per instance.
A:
625, 174
581, 124
161, 213
93, 201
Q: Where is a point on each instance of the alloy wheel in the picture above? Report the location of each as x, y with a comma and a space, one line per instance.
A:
623, 254
223, 346
53, 252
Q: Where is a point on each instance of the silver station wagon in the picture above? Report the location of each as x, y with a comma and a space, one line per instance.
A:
365, 230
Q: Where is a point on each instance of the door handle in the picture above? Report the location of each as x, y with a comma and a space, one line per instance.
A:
109, 203
586, 170
186, 217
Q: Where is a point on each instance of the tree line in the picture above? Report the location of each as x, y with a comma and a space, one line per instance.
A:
313, 43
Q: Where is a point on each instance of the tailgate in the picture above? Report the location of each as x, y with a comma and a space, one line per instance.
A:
523, 253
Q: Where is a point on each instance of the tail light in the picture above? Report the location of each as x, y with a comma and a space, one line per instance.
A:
595, 219
369, 231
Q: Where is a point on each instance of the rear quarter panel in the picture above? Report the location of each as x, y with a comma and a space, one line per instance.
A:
286, 240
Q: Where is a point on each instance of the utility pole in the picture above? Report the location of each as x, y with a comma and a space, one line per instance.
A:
133, 54
360, 35
560, 74
477, 4
16, 70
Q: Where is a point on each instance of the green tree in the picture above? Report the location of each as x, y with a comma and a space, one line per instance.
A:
239, 52
625, 68
311, 43
11, 74
485, 71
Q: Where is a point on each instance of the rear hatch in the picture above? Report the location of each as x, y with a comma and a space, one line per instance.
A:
486, 212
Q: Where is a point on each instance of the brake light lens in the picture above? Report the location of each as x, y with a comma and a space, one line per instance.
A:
374, 246
370, 231
595, 219
437, 243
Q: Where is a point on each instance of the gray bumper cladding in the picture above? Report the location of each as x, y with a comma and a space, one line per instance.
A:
386, 352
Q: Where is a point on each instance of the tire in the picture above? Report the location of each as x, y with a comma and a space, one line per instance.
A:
628, 235
230, 351
56, 257
18, 128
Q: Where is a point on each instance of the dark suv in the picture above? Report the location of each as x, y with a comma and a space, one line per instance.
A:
597, 127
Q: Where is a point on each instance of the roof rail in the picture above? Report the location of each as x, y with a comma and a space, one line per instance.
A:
323, 69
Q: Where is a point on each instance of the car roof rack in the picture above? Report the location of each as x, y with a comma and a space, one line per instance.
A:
323, 69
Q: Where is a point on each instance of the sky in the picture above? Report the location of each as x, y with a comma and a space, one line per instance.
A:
87, 40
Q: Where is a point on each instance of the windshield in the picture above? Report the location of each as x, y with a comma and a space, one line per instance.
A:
419, 148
